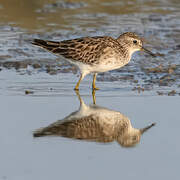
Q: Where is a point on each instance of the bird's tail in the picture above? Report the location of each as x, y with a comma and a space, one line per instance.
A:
52, 130
49, 45
41, 132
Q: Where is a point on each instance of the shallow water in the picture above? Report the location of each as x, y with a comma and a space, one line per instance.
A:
36, 89
23, 157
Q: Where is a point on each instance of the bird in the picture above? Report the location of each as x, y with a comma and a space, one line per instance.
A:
96, 54
95, 124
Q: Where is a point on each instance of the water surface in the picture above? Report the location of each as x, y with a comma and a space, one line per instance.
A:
23, 157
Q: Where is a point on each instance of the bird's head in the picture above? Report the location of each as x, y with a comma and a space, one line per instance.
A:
133, 43
132, 136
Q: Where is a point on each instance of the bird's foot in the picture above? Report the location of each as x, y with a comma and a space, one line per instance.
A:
76, 89
94, 88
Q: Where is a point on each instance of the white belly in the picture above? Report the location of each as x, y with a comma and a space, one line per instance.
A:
110, 64
104, 65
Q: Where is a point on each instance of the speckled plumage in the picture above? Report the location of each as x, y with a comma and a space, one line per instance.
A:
95, 123
95, 54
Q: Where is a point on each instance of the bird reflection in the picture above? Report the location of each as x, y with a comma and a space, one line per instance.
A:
95, 123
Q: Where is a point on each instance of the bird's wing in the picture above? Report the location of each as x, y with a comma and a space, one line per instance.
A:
86, 50
86, 128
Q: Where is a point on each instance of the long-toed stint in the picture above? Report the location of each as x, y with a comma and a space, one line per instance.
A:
97, 124
96, 54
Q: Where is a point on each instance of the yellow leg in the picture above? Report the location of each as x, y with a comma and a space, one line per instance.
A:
94, 96
94, 80
78, 83
79, 97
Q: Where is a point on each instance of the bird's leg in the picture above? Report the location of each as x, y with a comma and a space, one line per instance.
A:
79, 97
94, 96
78, 83
93, 84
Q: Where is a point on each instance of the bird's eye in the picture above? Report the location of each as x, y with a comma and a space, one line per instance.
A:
135, 41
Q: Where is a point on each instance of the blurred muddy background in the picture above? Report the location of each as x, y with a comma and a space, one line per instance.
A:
157, 21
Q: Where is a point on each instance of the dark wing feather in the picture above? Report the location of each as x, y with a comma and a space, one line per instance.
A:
86, 50
49, 45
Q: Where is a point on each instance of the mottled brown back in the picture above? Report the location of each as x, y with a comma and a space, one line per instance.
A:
87, 50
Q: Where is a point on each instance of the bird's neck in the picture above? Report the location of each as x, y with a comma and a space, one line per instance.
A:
131, 51
126, 49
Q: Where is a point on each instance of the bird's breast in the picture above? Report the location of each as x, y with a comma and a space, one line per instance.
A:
111, 63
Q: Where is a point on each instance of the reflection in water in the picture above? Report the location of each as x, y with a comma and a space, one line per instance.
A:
95, 123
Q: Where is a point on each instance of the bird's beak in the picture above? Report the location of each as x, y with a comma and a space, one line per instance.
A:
146, 128
147, 51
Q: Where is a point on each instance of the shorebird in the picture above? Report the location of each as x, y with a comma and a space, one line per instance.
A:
95, 123
96, 54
